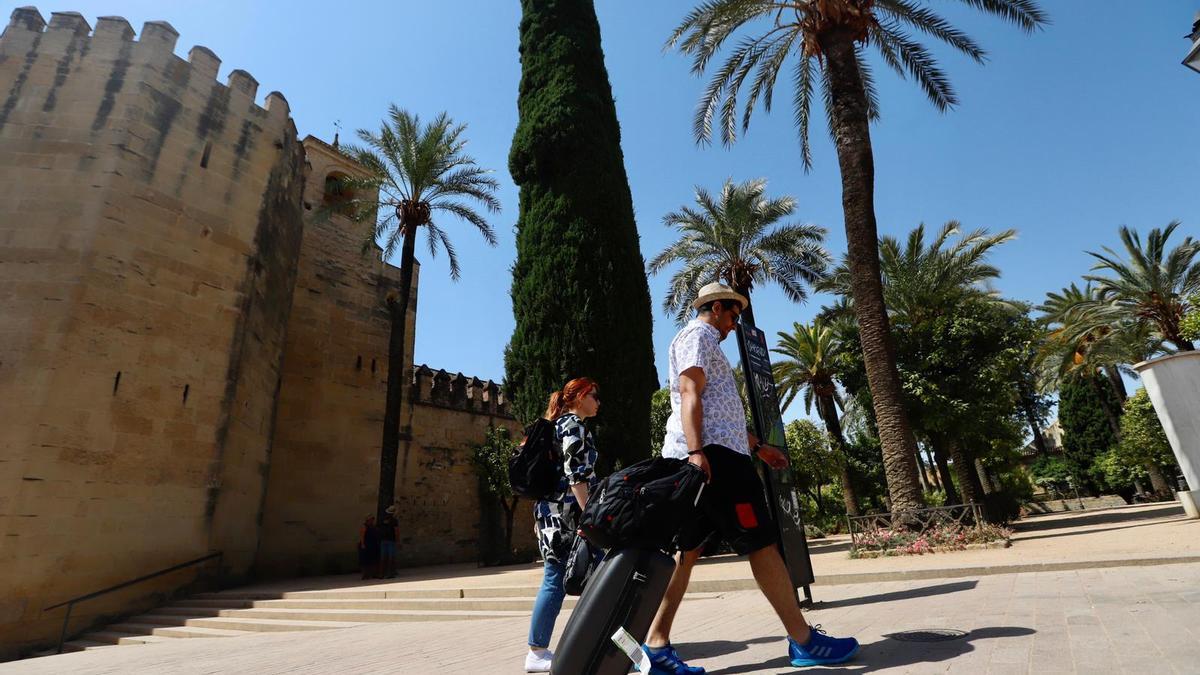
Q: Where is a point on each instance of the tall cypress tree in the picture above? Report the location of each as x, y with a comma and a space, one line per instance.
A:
1084, 411
579, 291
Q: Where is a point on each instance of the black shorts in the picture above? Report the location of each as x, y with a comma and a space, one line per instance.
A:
733, 505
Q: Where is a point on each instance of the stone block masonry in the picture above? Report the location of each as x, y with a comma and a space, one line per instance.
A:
150, 227
193, 355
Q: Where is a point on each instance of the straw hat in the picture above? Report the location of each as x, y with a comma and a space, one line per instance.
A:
718, 291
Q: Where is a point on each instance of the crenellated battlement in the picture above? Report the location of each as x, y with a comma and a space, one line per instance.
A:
458, 392
29, 34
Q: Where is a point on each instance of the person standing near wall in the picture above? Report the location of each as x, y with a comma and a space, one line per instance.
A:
368, 548
557, 516
389, 534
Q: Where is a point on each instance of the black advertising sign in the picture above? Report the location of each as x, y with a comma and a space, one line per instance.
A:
768, 425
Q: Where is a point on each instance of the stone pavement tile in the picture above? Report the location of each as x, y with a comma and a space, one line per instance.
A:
1010, 655
1011, 629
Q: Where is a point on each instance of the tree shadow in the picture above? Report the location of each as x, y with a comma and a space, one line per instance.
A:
1076, 533
828, 547
1110, 517
906, 594
888, 653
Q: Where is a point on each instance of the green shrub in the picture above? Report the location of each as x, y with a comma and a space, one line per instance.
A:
1189, 328
660, 410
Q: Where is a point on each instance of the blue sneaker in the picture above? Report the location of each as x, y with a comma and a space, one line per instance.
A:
821, 649
666, 661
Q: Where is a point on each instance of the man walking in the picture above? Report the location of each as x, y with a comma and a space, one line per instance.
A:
707, 426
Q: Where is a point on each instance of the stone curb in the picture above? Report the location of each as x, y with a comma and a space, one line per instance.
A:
959, 572
748, 584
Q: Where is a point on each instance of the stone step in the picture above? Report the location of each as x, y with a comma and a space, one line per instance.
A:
198, 603
265, 624
82, 644
176, 611
358, 616
179, 630
114, 635
478, 604
236, 595
369, 594
501, 592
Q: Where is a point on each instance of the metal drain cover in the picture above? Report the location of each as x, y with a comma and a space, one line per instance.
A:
929, 635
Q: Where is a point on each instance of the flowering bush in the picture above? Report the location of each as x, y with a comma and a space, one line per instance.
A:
947, 537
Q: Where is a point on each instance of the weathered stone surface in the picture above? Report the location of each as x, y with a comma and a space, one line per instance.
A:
131, 274
193, 360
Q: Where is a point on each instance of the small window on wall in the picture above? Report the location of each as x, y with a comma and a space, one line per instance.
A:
336, 192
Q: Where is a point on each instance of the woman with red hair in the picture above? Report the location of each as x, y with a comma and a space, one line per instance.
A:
557, 515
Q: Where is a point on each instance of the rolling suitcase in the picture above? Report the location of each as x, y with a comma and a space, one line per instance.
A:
623, 593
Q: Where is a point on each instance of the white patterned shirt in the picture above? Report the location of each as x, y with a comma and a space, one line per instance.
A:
724, 422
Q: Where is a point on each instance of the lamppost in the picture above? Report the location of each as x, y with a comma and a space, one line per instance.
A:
1192, 60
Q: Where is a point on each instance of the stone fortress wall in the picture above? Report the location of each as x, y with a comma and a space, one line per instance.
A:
191, 360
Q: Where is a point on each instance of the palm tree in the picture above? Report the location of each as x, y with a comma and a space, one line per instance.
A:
1090, 336
829, 40
415, 171
922, 279
735, 237
807, 366
1152, 285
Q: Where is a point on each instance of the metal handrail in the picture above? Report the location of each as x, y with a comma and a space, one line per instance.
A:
62, 637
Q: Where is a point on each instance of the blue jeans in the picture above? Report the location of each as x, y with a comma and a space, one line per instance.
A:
546, 607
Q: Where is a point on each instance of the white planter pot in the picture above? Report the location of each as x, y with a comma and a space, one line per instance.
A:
1173, 383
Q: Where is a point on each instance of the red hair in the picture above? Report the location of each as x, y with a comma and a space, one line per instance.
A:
571, 394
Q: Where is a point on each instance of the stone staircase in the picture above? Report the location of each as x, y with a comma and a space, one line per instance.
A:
234, 613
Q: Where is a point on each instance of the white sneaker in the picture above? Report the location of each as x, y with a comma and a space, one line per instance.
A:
539, 661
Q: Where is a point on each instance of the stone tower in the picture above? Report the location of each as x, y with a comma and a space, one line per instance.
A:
150, 226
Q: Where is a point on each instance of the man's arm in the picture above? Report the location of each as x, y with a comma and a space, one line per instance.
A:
691, 386
773, 456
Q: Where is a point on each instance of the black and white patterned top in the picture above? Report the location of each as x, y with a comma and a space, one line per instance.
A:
557, 515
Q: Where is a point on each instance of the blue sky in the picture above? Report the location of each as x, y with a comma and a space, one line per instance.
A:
1063, 135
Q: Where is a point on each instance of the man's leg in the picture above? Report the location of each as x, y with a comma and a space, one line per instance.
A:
774, 582
660, 629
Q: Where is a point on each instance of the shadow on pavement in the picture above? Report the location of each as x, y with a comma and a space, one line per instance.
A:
1180, 519
819, 546
711, 648
888, 653
906, 594
1111, 517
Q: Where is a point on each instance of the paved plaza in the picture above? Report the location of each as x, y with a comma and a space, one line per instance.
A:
1110, 620
1122, 607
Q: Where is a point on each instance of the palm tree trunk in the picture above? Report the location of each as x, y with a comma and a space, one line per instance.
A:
852, 135
968, 479
933, 468
985, 479
1118, 383
941, 457
395, 376
747, 315
921, 475
827, 409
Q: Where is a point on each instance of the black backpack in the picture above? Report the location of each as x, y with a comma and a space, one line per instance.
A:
537, 466
643, 505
